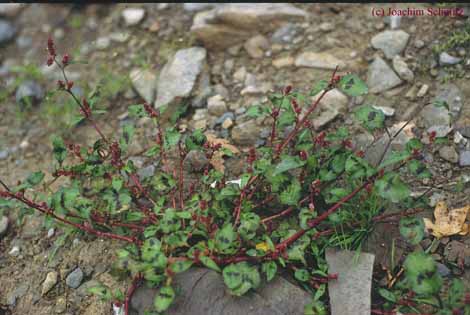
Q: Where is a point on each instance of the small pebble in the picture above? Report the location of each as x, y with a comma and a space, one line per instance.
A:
15, 251
74, 279
49, 282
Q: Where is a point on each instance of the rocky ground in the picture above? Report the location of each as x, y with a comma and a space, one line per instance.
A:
219, 61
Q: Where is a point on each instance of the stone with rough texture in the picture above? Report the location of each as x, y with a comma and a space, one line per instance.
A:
390, 42
29, 93
331, 106
144, 82
445, 59
3, 225
216, 105
7, 31
74, 279
380, 77
402, 69
49, 282
246, 133
448, 153
436, 119
452, 95
10, 9
202, 292
256, 46
464, 159
178, 77
350, 294
232, 23
318, 60
133, 16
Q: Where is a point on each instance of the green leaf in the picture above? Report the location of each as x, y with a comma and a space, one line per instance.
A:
302, 275
181, 265
421, 274
209, 263
388, 295
35, 178
101, 291
172, 136
412, 229
287, 163
154, 150
164, 298
336, 194
225, 238
137, 111
127, 133
117, 183
256, 111
241, 277
418, 169
357, 167
196, 140
394, 158
318, 87
291, 195
59, 150
391, 187
315, 308
270, 269
151, 249
352, 85
370, 117
456, 291
286, 118
249, 224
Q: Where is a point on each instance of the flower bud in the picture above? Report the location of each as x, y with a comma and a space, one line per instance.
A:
287, 89
50, 61
60, 84
69, 85
303, 155
65, 59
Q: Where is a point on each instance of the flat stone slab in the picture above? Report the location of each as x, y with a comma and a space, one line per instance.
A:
203, 292
350, 294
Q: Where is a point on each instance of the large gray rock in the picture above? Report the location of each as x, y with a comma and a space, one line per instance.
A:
436, 119
145, 83
232, 23
7, 31
452, 95
29, 93
392, 43
11, 9
464, 159
350, 294
202, 292
321, 60
179, 76
380, 77
331, 106
246, 133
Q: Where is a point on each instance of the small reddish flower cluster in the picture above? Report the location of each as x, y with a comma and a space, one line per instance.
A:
303, 155
287, 90
150, 111
316, 186
320, 140
296, 107
86, 109
432, 136
116, 155
51, 51
251, 156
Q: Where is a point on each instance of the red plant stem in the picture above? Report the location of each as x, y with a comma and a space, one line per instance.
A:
284, 212
301, 122
313, 223
48, 211
135, 284
181, 178
238, 208
62, 68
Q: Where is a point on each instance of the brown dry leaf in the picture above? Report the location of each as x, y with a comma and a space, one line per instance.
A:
448, 222
217, 160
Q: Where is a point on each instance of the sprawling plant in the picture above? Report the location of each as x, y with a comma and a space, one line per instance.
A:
302, 192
